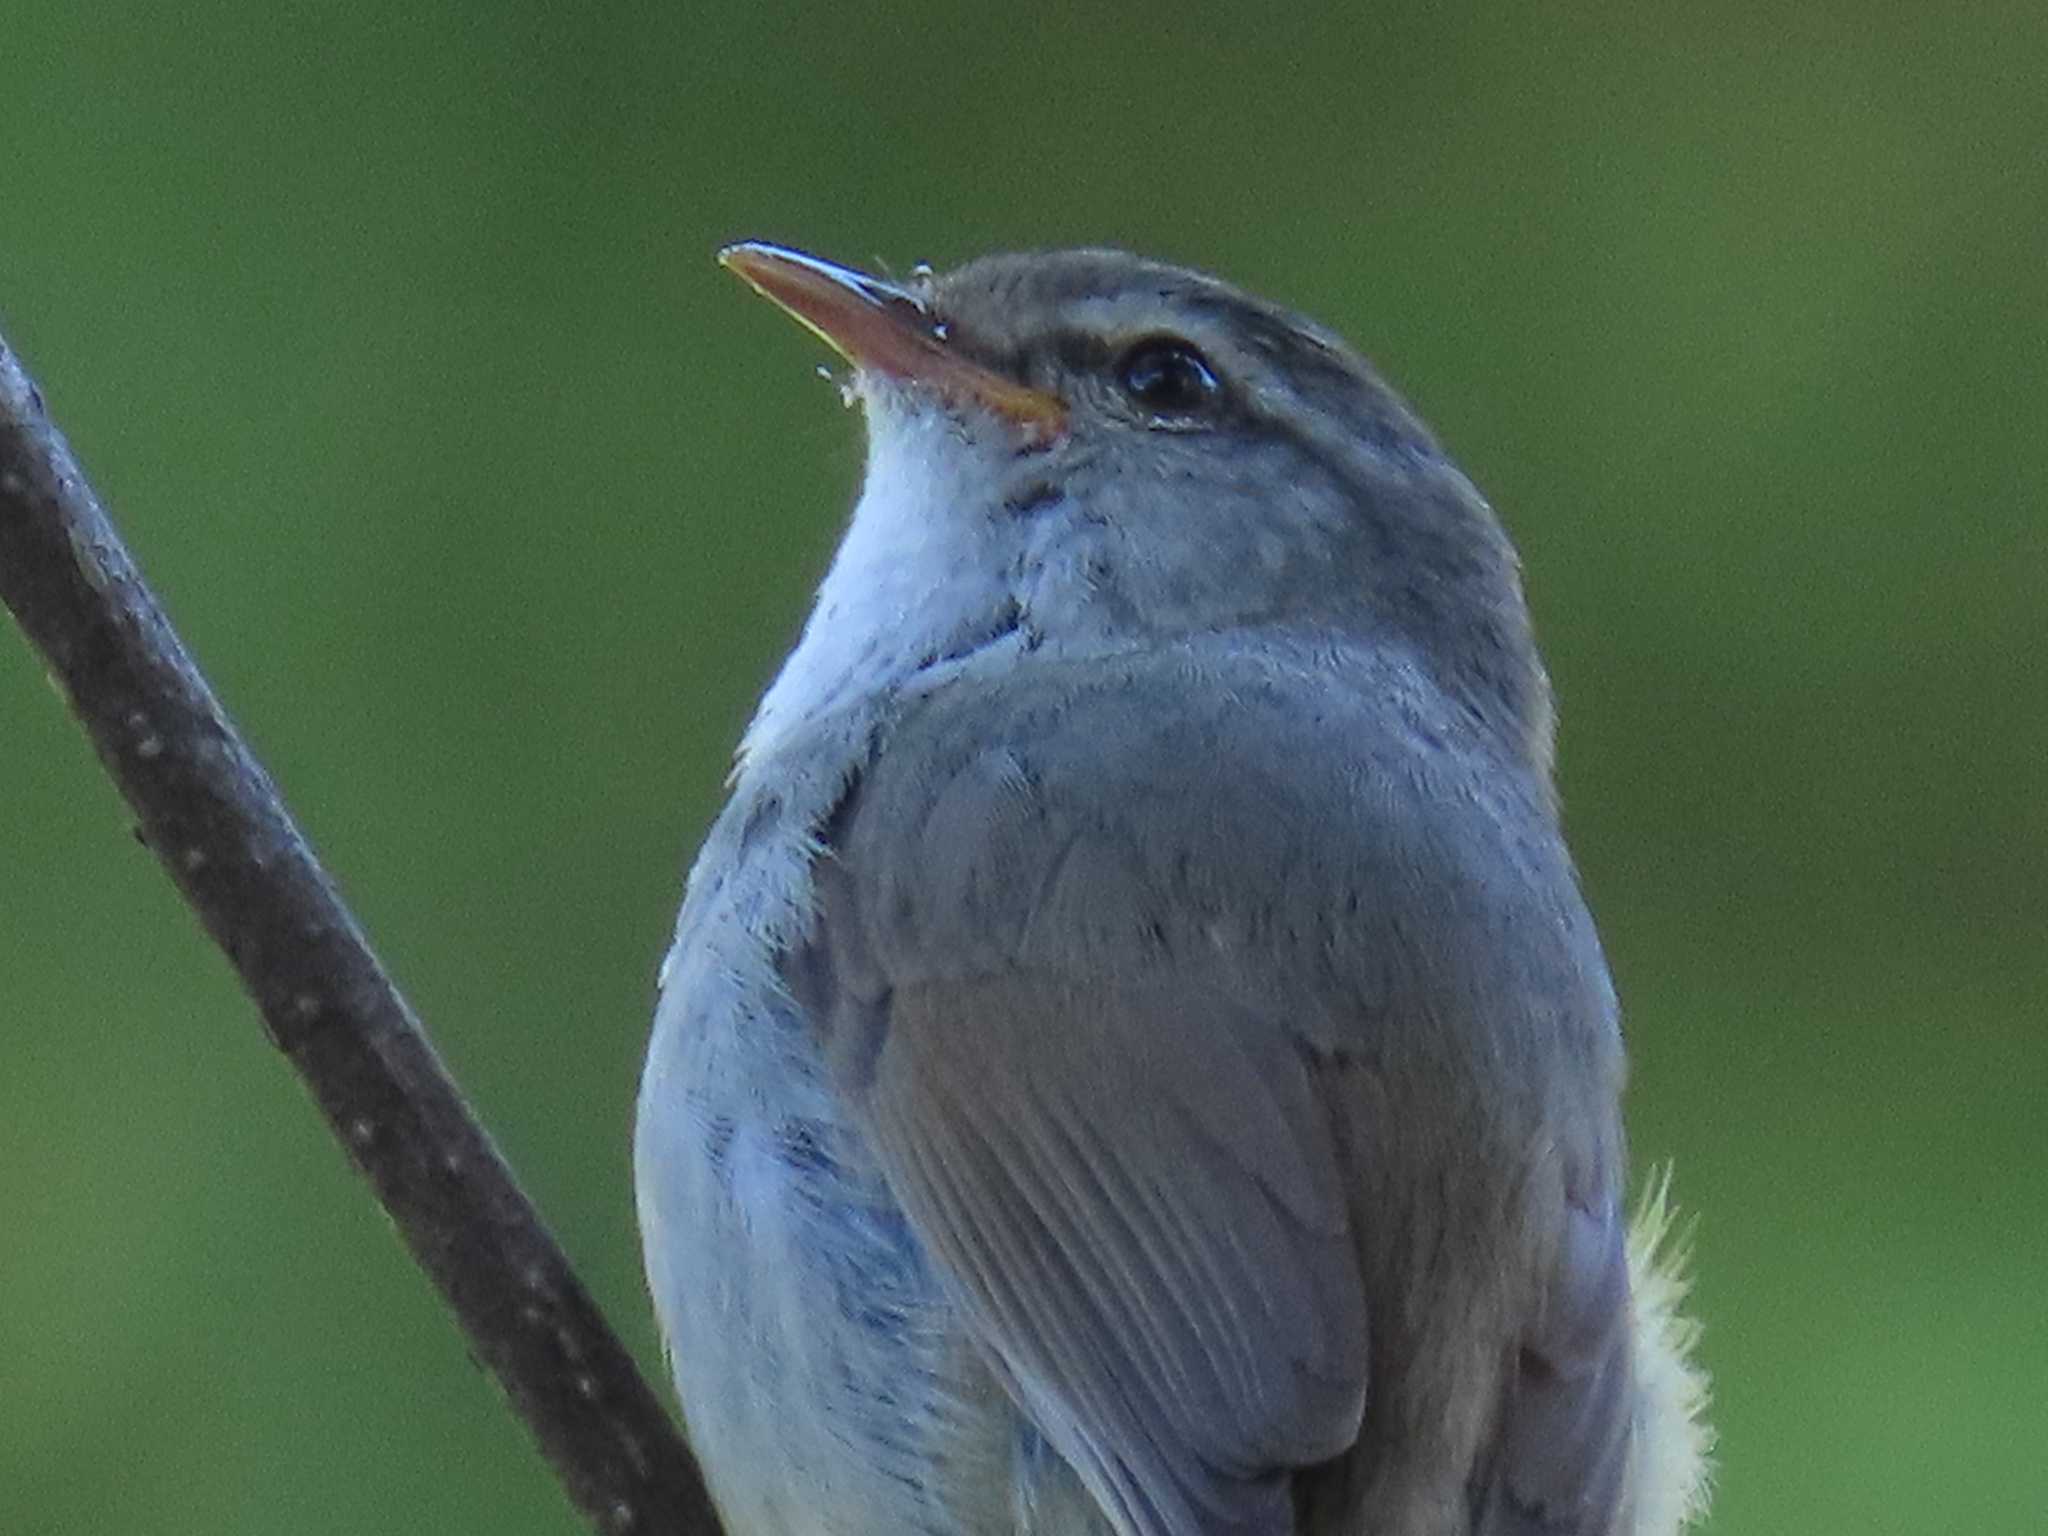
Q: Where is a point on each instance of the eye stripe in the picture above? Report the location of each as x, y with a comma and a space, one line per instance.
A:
1082, 351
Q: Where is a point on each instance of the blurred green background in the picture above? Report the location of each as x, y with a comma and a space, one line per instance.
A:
391, 335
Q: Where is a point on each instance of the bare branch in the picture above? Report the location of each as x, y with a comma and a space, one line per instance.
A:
212, 816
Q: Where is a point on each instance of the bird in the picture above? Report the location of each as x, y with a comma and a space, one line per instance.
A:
1135, 1058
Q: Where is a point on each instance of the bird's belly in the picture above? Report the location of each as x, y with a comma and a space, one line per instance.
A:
818, 1363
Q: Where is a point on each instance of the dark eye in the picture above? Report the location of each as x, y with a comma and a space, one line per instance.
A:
1168, 377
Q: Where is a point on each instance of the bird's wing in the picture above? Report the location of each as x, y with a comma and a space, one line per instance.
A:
1096, 1121
1150, 1238
1087, 1061
1561, 1457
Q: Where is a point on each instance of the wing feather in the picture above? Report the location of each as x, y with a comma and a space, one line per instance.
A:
1176, 1326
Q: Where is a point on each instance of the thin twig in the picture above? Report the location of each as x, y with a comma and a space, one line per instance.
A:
213, 818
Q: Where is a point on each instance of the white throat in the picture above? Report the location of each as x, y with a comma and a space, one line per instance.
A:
918, 575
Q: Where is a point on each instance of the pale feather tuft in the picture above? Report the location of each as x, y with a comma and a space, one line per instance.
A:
1671, 1471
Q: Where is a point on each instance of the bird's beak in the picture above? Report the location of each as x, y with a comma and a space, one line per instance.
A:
883, 328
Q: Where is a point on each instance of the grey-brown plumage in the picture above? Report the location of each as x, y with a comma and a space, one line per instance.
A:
1135, 1058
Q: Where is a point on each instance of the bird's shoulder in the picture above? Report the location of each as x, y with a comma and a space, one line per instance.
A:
1238, 803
